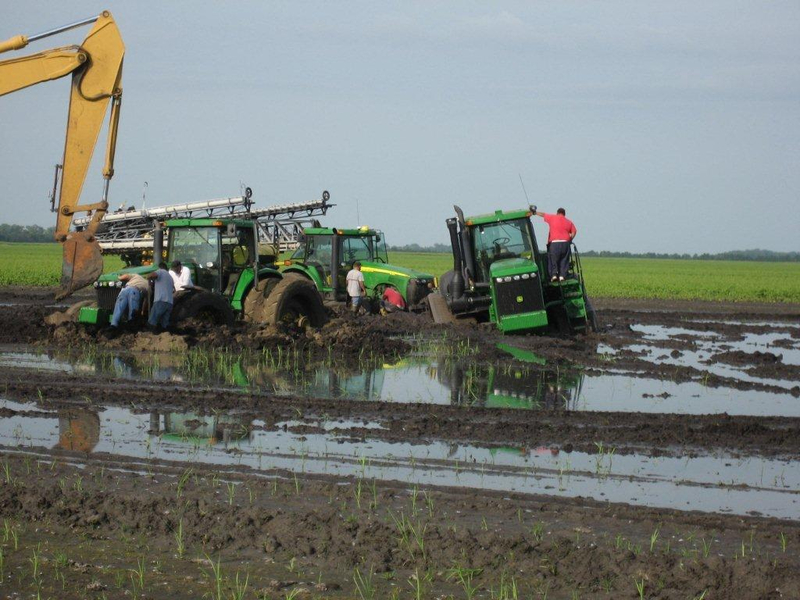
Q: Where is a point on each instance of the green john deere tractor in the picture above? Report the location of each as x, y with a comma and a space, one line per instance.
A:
327, 254
500, 275
236, 277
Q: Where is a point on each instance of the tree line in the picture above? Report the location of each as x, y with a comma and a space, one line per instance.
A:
26, 233
36, 233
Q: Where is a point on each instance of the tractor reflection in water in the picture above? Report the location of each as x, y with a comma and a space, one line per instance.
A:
78, 430
512, 387
201, 429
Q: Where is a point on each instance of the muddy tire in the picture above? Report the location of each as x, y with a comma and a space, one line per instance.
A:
256, 299
204, 306
292, 300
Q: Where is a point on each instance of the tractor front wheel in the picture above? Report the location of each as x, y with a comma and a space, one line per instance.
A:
293, 300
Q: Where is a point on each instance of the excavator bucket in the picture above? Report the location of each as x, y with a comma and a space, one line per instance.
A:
82, 263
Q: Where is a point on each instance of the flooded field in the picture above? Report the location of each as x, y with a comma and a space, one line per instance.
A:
389, 458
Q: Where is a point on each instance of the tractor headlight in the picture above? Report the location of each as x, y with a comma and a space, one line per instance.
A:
499, 280
526, 276
119, 284
516, 277
96, 284
507, 278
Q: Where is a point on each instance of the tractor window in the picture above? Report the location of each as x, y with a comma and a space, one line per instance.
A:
497, 241
198, 248
380, 249
318, 253
356, 248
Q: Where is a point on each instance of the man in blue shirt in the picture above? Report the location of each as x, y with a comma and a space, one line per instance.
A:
162, 297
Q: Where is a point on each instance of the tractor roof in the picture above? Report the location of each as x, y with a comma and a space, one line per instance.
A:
360, 232
207, 222
499, 216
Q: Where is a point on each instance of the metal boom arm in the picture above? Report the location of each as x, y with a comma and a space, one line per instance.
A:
96, 69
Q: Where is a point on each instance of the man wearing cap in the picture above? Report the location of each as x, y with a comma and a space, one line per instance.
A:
559, 240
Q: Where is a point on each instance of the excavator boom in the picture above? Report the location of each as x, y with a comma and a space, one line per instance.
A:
96, 69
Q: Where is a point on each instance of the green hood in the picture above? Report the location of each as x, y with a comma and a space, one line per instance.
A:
512, 266
141, 270
379, 267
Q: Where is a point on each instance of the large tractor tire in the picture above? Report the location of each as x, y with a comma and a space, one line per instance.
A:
204, 306
292, 300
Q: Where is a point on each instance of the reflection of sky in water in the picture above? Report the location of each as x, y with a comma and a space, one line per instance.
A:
432, 382
661, 482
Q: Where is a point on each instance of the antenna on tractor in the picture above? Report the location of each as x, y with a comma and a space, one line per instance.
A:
358, 215
523, 188
144, 194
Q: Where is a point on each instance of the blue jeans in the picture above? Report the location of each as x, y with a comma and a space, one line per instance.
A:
128, 302
159, 314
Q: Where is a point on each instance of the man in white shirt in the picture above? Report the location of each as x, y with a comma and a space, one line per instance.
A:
181, 276
355, 286
162, 297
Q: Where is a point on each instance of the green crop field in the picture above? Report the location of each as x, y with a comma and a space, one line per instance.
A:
40, 264
36, 264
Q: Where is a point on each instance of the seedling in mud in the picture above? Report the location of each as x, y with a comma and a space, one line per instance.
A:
184, 478
414, 493
357, 492
7, 472
706, 547
137, 575
429, 504
240, 587
537, 531
464, 577
363, 582
783, 541
419, 583
231, 492
640, 588
36, 565
654, 538
179, 539
507, 590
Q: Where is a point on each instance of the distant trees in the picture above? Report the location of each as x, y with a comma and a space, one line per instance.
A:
756, 255
25, 233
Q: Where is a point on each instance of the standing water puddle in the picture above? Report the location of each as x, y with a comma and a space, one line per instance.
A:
428, 381
709, 483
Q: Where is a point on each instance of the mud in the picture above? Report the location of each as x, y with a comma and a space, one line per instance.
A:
334, 500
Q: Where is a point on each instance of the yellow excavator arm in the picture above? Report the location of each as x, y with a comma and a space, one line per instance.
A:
96, 69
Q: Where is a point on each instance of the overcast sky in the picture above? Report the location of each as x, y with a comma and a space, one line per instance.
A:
665, 127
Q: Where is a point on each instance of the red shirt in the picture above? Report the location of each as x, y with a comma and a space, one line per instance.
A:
393, 296
560, 228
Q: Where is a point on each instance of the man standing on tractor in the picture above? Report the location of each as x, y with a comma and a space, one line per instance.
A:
559, 241
162, 297
355, 286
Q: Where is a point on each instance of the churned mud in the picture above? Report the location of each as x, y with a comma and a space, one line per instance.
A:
388, 457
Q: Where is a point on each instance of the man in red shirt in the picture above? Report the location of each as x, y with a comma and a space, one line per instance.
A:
392, 301
559, 240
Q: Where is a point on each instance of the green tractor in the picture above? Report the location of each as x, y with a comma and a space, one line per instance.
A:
500, 275
236, 277
327, 254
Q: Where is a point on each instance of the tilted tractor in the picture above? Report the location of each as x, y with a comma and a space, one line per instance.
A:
327, 254
500, 275
236, 278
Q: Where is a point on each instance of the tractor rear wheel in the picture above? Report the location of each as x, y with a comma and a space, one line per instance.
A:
204, 306
293, 300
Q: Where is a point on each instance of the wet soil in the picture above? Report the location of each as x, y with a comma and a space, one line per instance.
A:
102, 524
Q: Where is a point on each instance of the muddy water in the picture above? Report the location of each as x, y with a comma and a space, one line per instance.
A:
764, 486
430, 380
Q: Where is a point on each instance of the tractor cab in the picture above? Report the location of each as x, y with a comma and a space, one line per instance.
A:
327, 254
217, 251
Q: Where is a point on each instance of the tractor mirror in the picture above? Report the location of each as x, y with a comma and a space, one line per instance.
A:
231, 229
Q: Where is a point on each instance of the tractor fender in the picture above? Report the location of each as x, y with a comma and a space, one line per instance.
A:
206, 305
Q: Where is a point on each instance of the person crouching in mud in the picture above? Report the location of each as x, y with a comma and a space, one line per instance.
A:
162, 298
130, 298
355, 287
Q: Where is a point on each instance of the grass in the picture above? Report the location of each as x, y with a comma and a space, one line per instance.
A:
40, 265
